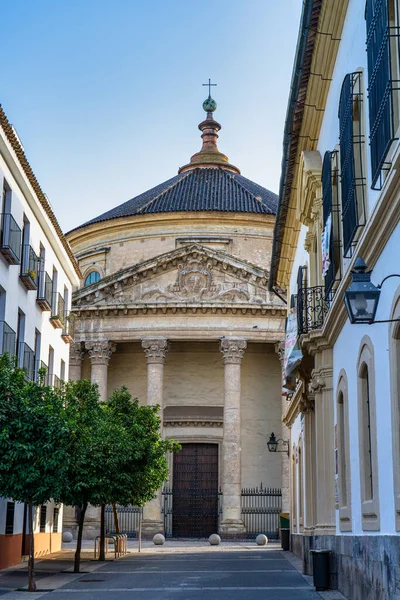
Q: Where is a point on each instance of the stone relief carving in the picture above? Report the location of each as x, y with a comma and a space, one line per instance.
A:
75, 354
100, 351
155, 349
195, 282
233, 350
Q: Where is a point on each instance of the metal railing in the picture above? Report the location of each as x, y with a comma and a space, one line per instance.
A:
56, 382
260, 511
8, 339
128, 519
42, 379
58, 307
68, 326
313, 305
30, 267
10, 238
45, 290
26, 360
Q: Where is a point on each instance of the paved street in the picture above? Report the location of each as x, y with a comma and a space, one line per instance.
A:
176, 571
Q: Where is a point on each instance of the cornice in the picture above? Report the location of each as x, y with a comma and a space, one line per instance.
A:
193, 423
316, 68
29, 174
293, 408
89, 312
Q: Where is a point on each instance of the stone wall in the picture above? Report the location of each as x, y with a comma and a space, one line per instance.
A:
361, 567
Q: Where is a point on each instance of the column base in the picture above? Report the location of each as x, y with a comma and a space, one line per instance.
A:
151, 527
324, 530
231, 528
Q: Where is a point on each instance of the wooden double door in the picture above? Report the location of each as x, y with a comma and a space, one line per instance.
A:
195, 496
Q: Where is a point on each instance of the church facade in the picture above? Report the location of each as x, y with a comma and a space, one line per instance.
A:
175, 305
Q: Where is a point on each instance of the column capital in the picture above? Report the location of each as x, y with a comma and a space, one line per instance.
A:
100, 351
155, 350
233, 350
75, 354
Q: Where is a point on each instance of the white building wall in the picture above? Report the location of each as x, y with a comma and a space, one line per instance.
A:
345, 356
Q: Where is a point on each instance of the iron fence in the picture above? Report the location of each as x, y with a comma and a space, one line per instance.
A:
260, 511
128, 519
313, 305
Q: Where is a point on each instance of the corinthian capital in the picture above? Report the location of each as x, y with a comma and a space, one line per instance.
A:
233, 350
75, 354
155, 349
100, 351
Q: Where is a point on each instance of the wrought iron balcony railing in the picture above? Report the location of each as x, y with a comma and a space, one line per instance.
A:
10, 239
45, 291
8, 339
26, 360
29, 268
313, 305
56, 382
68, 328
58, 311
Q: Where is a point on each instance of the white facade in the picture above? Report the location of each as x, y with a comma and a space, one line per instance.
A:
26, 329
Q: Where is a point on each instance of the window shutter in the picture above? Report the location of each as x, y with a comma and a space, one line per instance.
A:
327, 205
380, 84
350, 180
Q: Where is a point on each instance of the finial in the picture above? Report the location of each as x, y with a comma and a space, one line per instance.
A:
209, 105
209, 155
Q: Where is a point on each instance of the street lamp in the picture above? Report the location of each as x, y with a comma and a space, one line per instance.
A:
272, 444
361, 297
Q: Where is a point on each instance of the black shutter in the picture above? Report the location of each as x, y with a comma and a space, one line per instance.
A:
351, 181
380, 85
300, 300
327, 205
43, 517
55, 519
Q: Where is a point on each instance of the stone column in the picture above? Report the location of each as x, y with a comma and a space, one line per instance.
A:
309, 462
321, 385
155, 350
75, 362
100, 354
232, 351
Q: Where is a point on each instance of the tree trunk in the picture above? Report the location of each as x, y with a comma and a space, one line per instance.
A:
31, 563
116, 520
102, 553
77, 561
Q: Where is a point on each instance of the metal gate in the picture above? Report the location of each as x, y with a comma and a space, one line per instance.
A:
192, 506
260, 511
128, 519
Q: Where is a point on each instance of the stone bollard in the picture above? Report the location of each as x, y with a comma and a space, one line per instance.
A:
214, 539
261, 540
159, 539
67, 537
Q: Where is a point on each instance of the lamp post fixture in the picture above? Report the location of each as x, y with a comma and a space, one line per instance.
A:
362, 296
272, 444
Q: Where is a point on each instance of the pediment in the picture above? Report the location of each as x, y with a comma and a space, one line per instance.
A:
191, 274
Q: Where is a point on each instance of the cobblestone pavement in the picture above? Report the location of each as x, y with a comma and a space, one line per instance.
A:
175, 572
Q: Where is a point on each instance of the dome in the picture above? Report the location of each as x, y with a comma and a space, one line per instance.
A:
207, 183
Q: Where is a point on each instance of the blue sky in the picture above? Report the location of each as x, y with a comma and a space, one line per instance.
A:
106, 95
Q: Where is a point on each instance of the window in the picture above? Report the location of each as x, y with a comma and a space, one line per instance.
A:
55, 519
37, 354
20, 338
62, 370
93, 277
368, 438
10, 233
51, 365
331, 217
351, 159
10, 518
383, 82
43, 517
343, 459
395, 401
294, 490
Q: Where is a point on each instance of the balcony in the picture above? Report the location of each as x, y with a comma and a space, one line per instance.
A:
8, 339
57, 382
68, 329
58, 311
40, 378
29, 268
10, 239
45, 291
26, 360
313, 305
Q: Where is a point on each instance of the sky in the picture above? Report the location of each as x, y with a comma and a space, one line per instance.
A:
106, 95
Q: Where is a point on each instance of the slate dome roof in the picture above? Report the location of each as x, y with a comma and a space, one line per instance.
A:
208, 183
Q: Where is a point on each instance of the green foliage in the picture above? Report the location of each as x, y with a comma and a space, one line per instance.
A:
34, 438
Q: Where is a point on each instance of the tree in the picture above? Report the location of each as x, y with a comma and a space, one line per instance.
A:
34, 443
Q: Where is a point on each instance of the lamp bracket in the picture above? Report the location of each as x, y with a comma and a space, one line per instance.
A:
381, 284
